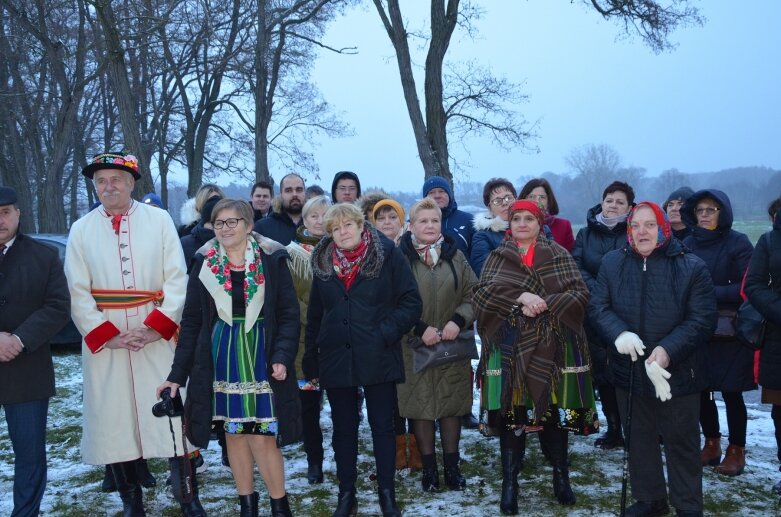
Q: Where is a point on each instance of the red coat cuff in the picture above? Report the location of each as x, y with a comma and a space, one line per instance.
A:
161, 324
100, 335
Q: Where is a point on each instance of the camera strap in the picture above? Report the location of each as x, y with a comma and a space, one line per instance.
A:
182, 475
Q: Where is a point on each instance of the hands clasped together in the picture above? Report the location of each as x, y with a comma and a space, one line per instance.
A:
629, 343
432, 335
531, 304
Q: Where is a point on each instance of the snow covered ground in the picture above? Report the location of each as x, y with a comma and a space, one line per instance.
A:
74, 488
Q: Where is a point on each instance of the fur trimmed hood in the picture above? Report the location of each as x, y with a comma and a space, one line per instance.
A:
322, 264
370, 198
188, 214
486, 221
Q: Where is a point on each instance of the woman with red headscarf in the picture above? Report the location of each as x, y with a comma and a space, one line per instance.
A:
530, 304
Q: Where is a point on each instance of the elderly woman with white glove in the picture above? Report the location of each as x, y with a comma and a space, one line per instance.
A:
655, 295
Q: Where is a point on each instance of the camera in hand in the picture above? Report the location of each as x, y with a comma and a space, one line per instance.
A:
168, 406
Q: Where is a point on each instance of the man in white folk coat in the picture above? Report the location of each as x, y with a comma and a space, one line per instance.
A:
126, 275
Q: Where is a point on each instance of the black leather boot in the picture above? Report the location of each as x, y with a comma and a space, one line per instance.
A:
108, 484
144, 477
280, 507
314, 472
347, 504
556, 441
249, 505
429, 478
511, 466
388, 502
193, 507
129, 490
453, 478
613, 437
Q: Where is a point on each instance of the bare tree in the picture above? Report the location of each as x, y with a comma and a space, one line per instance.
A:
595, 166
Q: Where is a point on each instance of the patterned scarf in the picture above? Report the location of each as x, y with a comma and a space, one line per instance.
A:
428, 253
347, 263
532, 348
662, 221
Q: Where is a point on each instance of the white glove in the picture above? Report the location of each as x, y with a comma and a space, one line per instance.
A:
659, 376
629, 343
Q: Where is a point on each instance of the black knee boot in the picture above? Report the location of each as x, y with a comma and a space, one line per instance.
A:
347, 504
280, 507
613, 436
249, 505
144, 477
388, 502
513, 449
184, 483
556, 441
129, 489
108, 484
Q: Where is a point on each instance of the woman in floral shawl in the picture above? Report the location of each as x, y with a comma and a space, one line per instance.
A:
530, 304
236, 350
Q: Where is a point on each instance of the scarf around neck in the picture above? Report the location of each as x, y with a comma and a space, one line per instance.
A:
611, 222
428, 253
347, 263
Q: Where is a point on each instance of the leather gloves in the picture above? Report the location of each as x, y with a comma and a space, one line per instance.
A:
659, 376
629, 343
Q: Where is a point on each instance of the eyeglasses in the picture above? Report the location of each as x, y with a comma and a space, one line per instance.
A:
710, 210
230, 223
503, 200
537, 197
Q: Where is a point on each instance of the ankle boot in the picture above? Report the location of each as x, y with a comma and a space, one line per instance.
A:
347, 505
415, 463
561, 486
314, 472
129, 490
108, 484
429, 479
193, 508
249, 505
453, 478
556, 441
280, 507
401, 451
388, 502
613, 438
711, 452
511, 465
734, 461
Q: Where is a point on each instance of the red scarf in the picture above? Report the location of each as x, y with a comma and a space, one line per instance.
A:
347, 263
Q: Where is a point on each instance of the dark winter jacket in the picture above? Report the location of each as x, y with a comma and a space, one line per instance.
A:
34, 305
456, 223
353, 337
667, 300
278, 226
446, 292
199, 236
727, 254
766, 265
593, 242
489, 234
193, 356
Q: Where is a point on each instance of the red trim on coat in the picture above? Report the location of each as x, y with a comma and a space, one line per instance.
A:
100, 335
161, 324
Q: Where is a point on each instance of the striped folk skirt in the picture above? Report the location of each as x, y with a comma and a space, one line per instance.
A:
243, 402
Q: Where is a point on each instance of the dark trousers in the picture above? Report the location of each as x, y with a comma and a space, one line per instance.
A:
775, 414
27, 430
737, 416
380, 401
310, 416
677, 423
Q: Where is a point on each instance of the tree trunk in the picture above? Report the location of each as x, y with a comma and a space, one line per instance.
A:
262, 106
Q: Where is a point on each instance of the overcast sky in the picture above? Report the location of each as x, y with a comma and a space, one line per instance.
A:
710, 104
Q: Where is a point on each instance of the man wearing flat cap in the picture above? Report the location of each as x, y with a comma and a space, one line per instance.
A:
34, 306
127, 280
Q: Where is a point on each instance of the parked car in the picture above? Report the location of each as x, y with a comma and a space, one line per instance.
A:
68, 335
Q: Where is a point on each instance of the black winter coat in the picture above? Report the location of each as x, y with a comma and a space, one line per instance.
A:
727, 254
278, 226
192, 242
766, 264
193, 357
34, 305
353, 338
593, 242
667, 299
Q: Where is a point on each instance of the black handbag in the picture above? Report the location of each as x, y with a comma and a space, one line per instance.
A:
725, 325
444, 352
750, 326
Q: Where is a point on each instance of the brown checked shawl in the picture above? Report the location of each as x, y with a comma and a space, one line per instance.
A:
532, 348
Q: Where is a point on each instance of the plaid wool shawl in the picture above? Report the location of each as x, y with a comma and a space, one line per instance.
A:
535, 354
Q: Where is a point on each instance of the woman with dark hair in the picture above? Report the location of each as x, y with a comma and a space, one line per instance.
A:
238, 341
764, 294
540, 191
490, 226
530, 302
730, 365
363, 300
605, 231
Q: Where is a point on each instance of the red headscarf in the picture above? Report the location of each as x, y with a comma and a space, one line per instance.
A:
665, 231
529, 206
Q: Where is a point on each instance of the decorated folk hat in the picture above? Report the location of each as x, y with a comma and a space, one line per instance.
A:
121, 161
